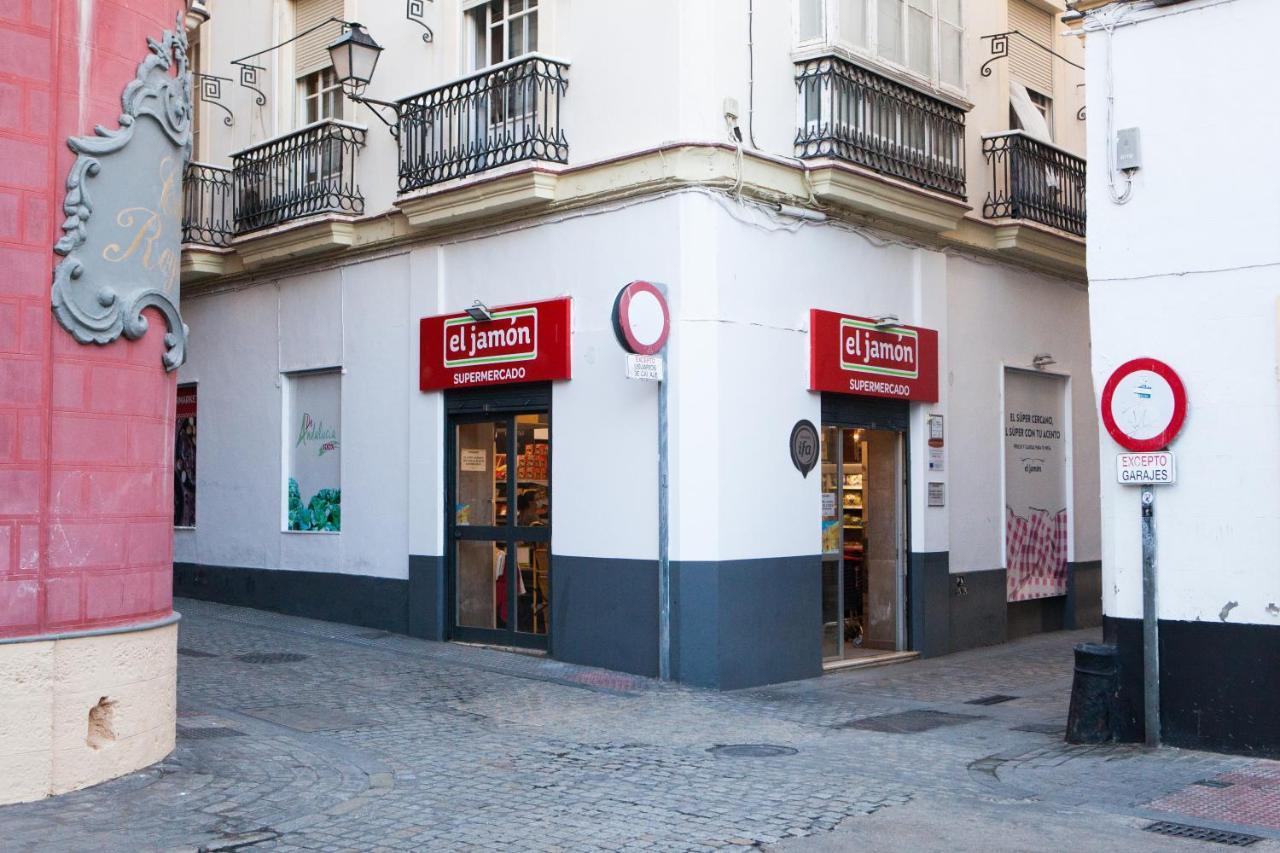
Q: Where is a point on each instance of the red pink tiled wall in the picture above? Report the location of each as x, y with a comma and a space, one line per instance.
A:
85, 431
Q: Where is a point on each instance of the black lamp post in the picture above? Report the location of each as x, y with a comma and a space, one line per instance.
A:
355, 56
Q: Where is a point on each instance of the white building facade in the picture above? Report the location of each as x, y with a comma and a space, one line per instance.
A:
1184, 271
761, 163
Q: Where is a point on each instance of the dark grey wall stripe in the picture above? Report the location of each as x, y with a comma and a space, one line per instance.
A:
604, 613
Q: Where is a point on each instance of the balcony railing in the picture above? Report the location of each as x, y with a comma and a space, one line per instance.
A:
207, 216
502, 115
854, 114
309, 171
1034, 180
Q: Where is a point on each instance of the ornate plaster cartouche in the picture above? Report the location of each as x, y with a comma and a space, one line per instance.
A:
127, 257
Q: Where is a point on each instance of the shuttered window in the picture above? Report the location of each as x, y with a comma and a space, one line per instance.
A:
1028, 64
311, 52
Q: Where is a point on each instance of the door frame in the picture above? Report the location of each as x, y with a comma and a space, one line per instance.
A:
847, 411
480, 406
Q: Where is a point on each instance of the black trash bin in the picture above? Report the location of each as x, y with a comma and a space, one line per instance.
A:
1092, 716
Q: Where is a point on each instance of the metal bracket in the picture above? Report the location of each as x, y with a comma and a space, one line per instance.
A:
1000, 49
208, 88
415, 10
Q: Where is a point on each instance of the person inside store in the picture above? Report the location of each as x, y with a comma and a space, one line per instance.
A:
528, 512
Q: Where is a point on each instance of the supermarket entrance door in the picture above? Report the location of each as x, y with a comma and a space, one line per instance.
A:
498, 514
863, 545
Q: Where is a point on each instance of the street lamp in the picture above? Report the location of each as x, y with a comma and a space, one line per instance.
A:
355, 56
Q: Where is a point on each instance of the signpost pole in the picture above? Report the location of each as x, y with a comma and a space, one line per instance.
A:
1150, 622
664, 564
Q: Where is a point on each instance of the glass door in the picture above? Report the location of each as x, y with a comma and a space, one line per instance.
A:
500, 517
863, 572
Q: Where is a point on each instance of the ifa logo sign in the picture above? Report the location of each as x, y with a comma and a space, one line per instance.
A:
856, 355
520, 343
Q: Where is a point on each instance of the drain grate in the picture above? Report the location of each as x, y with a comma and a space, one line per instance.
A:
750, 750
271, 657
908, 722
1213, 783
195, 653
994, 699
205, 732
1200, 833
1056, 729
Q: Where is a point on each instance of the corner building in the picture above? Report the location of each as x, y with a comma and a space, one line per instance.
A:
808, 181
1216, 297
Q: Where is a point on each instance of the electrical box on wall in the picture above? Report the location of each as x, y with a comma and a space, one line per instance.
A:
1129, 150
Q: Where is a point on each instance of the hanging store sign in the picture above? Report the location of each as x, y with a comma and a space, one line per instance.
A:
854, 355
522, 343
805, 447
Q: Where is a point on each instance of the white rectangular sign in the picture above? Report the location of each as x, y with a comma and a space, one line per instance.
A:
1146, 469
644, 367
470, 459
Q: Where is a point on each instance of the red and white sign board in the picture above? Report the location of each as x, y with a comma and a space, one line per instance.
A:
1143, 405
852, 355
1146, 469
641, 318
522, 343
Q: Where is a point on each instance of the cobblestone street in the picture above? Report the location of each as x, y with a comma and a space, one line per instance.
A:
302, 735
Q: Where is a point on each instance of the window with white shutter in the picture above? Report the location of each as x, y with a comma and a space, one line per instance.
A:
311, 52
1030, 65
318, 95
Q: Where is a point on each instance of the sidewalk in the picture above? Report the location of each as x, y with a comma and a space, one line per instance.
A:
303, 735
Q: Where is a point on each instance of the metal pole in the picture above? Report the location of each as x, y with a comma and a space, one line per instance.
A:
664, 565
1150, 622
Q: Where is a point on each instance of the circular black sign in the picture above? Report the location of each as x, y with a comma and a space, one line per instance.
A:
804, 447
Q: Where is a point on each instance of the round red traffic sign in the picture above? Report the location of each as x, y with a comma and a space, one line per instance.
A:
1143, 405
641, 319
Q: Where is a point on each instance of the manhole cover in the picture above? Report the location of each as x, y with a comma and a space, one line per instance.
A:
204, 732
271, 657
195, 653
908, 722
1200, 833
991, 700
751, 750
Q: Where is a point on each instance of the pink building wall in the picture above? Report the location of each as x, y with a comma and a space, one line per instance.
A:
86, 431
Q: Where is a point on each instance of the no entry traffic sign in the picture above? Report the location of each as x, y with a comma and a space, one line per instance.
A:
641, 319
1143, 405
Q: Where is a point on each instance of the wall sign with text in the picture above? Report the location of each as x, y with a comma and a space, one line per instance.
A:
852, 355
522, 343
122, 236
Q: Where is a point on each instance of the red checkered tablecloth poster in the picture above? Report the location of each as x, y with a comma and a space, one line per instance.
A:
1035, 485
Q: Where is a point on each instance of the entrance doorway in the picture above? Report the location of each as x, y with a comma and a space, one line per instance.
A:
499, 520
863, 545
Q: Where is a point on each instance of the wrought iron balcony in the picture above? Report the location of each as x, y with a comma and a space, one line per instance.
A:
851, 113
309, 171
505, 114
207, 214
1034, 180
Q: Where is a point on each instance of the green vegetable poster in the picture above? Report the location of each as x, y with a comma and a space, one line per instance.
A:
315, 452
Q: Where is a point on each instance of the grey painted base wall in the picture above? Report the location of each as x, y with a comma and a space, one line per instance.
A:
735, 624
966, 610
605, 613
742, 623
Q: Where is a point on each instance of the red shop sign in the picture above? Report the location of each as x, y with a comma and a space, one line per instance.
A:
851, 355
522, 343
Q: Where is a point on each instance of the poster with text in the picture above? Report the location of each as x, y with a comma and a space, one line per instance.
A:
184, 459
314, 437
1035, 478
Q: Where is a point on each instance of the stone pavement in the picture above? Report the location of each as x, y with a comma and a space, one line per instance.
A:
295, 734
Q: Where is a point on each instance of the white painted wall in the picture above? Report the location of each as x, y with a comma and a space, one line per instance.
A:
741, 286
999, 316
1185, 272
241, 343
